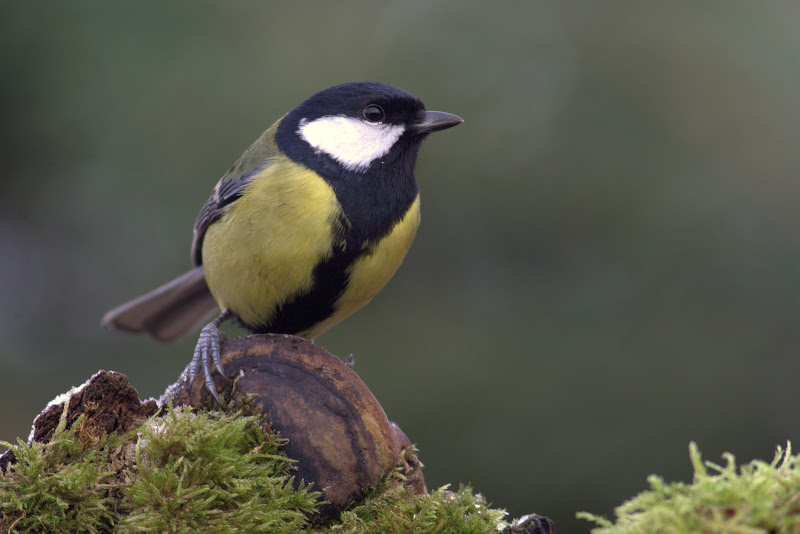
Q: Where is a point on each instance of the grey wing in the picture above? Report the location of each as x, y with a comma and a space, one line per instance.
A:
178, 307
257, 157
227, 191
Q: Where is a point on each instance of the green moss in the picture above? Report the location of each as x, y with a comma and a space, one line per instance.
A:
395, 509
184, 472
202, 472
58, 486
213, 472
758, 497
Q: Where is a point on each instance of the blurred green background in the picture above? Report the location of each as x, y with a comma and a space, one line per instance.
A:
609, 261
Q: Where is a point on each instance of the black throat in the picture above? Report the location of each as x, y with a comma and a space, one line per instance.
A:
372, 201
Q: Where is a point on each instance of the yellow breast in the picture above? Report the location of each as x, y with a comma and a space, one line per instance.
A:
262, 253
371, 272
264, 250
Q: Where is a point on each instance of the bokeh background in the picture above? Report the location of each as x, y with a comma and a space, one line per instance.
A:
609, 261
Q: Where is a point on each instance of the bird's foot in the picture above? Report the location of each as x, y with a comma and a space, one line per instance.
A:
207, 351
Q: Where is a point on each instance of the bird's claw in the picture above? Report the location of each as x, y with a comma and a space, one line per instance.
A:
207, 351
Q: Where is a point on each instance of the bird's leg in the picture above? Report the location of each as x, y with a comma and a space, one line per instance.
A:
207, 350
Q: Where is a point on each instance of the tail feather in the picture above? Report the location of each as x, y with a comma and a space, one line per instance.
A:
168, 312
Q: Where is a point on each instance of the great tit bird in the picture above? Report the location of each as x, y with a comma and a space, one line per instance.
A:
305, 228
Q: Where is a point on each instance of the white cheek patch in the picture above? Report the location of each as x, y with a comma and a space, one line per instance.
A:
352, 142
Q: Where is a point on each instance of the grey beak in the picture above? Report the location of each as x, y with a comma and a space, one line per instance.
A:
433, 121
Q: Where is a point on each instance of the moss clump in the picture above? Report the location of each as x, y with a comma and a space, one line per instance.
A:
758, 497
203, 472
211, 472
58, 486
183, 472
393, 508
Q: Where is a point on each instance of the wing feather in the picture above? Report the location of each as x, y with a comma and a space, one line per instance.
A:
232, 186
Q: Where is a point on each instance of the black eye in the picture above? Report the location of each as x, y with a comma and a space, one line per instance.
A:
373, 113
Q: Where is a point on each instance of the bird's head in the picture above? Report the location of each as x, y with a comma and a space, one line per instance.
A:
357, 127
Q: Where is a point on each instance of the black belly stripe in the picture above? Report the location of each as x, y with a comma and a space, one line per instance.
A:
367, 217
309, 309
331, 278
372, 203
